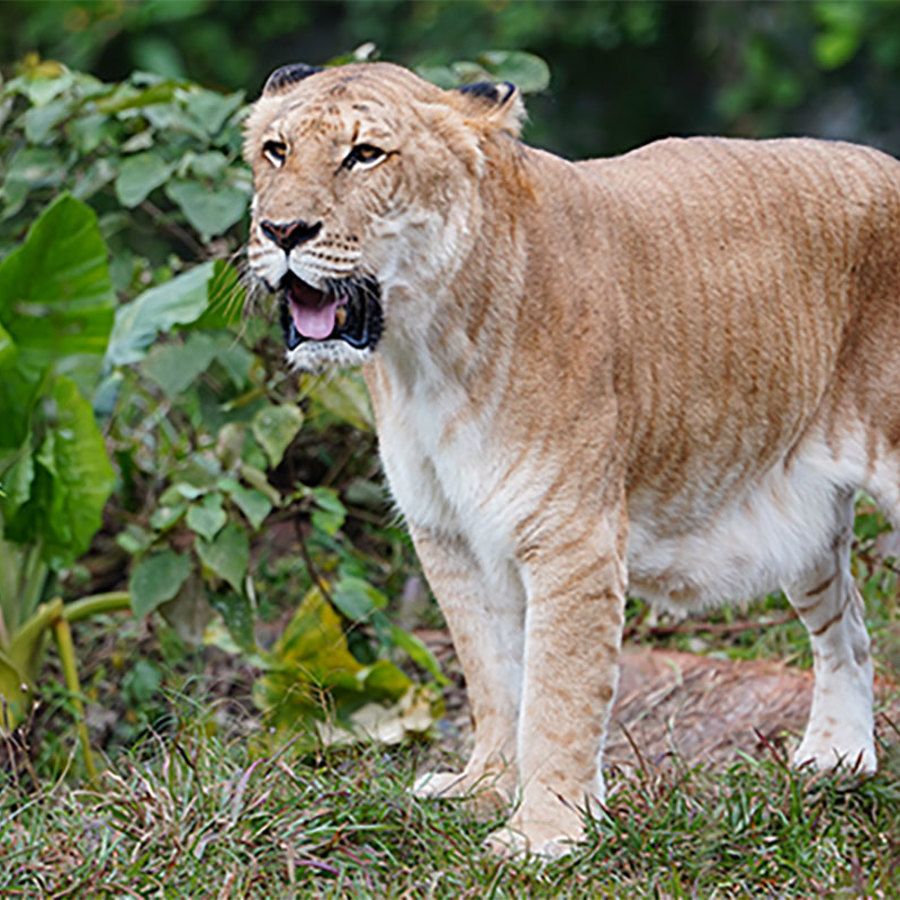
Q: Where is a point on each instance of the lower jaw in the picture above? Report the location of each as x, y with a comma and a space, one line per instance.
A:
319, 356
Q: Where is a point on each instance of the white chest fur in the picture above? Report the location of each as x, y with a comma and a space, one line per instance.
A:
449, 471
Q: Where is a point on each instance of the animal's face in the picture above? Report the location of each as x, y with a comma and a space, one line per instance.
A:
364, 181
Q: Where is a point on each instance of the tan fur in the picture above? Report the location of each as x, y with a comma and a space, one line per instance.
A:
666, 371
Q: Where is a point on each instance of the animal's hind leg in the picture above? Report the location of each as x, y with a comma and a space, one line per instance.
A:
840, 727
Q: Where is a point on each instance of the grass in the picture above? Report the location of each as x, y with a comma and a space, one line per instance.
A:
193, 813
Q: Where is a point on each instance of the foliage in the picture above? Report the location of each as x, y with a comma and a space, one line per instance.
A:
199, 413
56, 306
624, 73
145, 153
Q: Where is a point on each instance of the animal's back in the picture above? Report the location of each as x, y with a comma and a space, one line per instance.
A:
760, 286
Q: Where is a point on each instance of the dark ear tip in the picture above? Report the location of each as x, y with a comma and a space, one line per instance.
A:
288, 75
497, 93
482, 89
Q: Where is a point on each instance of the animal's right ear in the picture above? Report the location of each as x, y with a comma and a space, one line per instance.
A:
288, 75
498, 104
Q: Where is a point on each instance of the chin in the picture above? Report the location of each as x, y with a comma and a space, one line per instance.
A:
318, 356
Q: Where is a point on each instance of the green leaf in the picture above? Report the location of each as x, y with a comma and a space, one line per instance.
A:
189, 612
43, 84
165, 516
14, 701
275, 426
180, 300
128, 97
226, 298
90, 131
238, 615
443, 76
328, 500
18, 479
39, 121
135, 540
210, 212
311, 654
31, 168
257, 479
139, 175
252, 503
97, 175
18, 397
72, 479
833, 49
141, 682
208, 109
56, 298
228, 555
525, 70
156, 579
174, 367
7, 347
384, 681
418, 653
345, 397
356, 598
207, 518
181, 489
207, 165
312, 658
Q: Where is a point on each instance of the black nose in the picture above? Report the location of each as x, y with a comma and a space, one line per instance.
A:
289, 234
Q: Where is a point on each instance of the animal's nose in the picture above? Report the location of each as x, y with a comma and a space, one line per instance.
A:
289, 234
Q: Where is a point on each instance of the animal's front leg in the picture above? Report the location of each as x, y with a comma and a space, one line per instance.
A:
485, 614
575, 613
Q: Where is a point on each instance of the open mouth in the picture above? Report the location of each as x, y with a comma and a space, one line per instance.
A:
347, 309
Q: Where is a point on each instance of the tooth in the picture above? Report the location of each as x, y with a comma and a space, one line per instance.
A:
340, 316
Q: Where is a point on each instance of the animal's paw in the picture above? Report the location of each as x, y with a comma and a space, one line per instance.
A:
488, 794
510, 842
827, 749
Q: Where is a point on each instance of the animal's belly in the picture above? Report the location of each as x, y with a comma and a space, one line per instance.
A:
764, 539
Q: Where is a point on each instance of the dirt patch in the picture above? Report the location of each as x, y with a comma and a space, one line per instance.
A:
701, 709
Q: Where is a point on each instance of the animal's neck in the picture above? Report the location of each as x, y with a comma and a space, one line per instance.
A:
454, 326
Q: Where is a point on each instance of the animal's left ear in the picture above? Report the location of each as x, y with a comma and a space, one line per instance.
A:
498, 105
288, 75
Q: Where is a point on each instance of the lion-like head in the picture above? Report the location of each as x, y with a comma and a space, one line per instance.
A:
366, 186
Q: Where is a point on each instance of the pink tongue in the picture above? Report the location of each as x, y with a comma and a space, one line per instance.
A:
314, 323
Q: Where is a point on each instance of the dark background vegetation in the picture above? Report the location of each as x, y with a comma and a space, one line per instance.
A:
623, 73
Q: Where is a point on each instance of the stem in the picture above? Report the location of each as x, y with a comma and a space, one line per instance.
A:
173, 228
27, 640
115, 601
67, 657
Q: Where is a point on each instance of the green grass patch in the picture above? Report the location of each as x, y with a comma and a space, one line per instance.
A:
192, 813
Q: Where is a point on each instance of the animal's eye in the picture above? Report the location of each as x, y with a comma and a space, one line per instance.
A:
274, 152
363, 153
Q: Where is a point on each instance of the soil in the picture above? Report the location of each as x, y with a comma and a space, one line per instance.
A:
701, 710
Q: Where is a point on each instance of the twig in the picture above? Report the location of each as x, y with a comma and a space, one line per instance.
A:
712, 628
174, 228
317, 579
